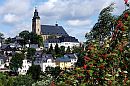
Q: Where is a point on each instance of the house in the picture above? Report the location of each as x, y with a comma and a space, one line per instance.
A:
63, 62
44, 60
66, 41
67, 61
8, 49
25, 66
4, 62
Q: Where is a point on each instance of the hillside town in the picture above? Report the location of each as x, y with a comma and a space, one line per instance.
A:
49, 55
54, 48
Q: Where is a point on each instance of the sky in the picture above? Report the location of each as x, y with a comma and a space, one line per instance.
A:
76, 16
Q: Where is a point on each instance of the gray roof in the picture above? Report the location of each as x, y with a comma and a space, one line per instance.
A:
44, 57
63, 59
53, 30
71, 56
4, 58
62, 39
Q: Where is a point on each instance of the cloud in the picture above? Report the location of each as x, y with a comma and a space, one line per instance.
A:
10, 19
15, 6
19, 28
79, 22
76, 16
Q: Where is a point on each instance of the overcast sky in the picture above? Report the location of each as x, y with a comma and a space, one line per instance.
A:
76, 16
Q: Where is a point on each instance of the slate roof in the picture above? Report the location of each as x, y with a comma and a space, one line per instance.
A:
4, 58
68, 39
44, 57
71, 56
54, 40
62, 39
63, 59
53, 30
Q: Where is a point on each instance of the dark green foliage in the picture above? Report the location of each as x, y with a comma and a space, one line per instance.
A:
34, 71
51, 49
31, 53
62, 50
30, 37
25, 36
8, 40
68, 50
36, 39
23, 80
53, 71
104, 26
16, 62
57, 49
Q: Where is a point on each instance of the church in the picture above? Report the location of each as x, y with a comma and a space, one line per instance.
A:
46, 30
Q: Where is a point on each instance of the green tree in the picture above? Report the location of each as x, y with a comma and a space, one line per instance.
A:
6, 80
24, 35
16, 62
23, 80
31, 53
35, 71
8, 40
57, 49
51, 49
68, 50
46, 81
62, 50
105, 25
54, 71
40, 40
36, 39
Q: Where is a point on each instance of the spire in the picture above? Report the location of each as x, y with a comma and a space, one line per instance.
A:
36, 13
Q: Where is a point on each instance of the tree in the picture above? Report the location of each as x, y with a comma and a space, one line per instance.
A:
54, 71
106, 65
62, 50
1, 35
57, 49
5, 80
23, 80
36, 39
8, 40
51, 49
46, 81
25, 35
35, 71
16, 62
31, 53
68, 50
105, 25
40, 40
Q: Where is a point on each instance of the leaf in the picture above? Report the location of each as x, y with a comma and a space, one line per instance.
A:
91, 72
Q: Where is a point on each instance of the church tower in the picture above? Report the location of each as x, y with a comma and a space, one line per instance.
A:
36, 26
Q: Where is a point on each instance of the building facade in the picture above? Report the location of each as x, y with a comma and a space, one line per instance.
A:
67, 41
25, 67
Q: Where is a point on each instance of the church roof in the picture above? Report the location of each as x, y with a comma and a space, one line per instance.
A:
53, 30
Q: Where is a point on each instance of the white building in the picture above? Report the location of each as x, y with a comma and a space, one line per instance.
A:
4, 61
25, 67
62, 41
46, 60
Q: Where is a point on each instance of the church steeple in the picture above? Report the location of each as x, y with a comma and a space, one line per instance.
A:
36, 26
36, 14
